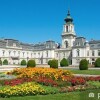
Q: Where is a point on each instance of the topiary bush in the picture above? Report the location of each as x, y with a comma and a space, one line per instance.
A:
97, 62
54, 63
0, 62
83, 64
64, 62
5, 62
49, 62
23, 62
31, 63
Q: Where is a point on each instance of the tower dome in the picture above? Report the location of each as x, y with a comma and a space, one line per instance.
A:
68, 18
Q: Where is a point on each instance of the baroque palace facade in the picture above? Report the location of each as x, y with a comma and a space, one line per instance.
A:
73, 48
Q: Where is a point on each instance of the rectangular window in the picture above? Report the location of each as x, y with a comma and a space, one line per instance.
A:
93, 53
98, 52
64, 54
47, 54
78, 52
57, 55
77, 60
87, 53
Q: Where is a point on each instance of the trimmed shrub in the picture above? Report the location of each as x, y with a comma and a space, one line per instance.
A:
83, 64
54, 63
0, 62
64, 62
97, 62
49, 62
31, 63
23, 62
5, 62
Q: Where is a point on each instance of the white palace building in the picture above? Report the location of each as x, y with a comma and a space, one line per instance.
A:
73, 48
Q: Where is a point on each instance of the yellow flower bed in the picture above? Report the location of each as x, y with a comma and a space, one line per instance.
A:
46, 72
29, 88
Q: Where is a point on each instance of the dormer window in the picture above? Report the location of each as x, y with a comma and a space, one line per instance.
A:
47, 46
98, 45
14, 44
77, 44
92, 45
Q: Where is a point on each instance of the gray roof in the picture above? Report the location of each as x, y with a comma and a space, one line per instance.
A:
94, 41
94, 44
39, 46
80, 42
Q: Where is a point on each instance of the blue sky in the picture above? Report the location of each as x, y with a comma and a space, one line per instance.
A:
36, 21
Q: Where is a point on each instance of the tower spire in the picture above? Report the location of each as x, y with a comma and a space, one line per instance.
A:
68, 12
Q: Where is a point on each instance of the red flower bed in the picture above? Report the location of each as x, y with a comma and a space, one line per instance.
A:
17, 81
46, 81
93, 78
78, 81
49, 81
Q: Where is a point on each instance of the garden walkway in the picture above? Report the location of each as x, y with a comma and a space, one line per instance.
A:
86, 75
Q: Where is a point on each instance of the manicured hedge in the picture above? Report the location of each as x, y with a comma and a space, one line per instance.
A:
97, 62
64, 62
23, 62
83, 64
53, 63
31, 63
49, 62
0, 62
5, 62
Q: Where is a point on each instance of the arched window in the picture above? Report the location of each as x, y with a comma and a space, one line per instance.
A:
3, 52
66, 28
71, 28
9, 53
14, 53
66, 44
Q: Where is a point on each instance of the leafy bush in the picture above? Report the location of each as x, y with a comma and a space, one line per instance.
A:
31, 63
49, 62
97, 62
5, 62
23, 62
83, 64
54, 63
0, 62
64, 62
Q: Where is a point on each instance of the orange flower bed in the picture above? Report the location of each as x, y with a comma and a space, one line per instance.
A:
45, 72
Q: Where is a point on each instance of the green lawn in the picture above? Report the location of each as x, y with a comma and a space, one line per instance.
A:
83, 95
91, 72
